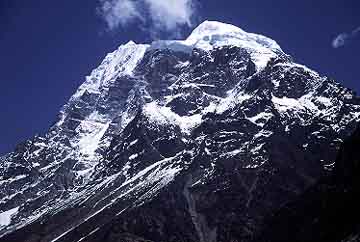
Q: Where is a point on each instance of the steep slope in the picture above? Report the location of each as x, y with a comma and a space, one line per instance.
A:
194, 140
329, 210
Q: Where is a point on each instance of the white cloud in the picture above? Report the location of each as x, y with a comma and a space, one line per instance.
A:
118, 12
340, 40
153, 15
169, 14
343, 38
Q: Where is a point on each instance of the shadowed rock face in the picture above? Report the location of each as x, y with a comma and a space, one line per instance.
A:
328, 210
177, 141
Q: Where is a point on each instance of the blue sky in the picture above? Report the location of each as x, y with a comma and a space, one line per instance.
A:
48, 47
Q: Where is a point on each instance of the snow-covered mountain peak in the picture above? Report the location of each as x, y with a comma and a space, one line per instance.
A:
119, 62
214, 27
222, 31
130, 43
212, 34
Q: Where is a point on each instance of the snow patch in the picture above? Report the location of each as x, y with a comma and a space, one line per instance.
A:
234, 99
235, 152
306, 103
325, 101
5, 217
283, 104
290, 65
90, 131
261, 118
164, 115
134, 156
263, 134
133, 142
257, 148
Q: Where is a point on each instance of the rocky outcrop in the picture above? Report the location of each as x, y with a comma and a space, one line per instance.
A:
328, 210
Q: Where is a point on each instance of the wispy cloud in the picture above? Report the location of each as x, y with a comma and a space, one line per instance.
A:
343, 38
116, 13
170, 14
153, 16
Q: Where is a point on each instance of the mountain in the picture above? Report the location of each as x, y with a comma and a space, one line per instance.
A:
198, 140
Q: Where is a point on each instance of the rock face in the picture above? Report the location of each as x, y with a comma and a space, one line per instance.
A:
196, 141
327, 211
